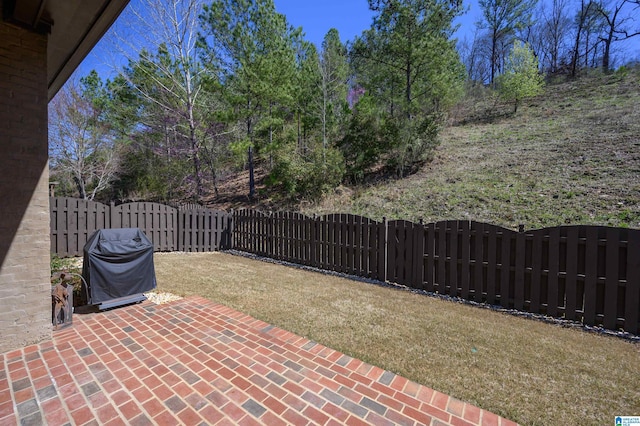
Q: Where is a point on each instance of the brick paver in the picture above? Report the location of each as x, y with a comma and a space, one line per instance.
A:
197, 362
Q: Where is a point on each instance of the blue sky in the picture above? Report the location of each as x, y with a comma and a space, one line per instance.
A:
349, 17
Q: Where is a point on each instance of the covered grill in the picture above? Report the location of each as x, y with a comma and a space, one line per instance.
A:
117, 267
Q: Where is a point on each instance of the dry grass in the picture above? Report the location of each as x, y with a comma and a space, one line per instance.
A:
570, 156
527, 371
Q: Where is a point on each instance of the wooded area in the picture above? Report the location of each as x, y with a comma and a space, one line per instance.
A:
204, 82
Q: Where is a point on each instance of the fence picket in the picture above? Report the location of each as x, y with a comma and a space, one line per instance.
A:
611, 279
343, 242
536, 270
418, 256
492, 264
477, 249
382, 250
391, 246
571, 276
465, 261
505, 267
331, 241
452, 232
520, 262
552, 277
591, 277
430, 257
441, 250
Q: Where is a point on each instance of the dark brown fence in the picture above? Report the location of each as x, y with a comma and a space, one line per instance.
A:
583, 273
159, 222
73, 221
203, 230
339, 242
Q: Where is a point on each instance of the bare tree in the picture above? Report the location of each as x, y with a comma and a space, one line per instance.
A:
81, 146
587, 23
474, 55
616, 24
501, 18
160, 43
554, 26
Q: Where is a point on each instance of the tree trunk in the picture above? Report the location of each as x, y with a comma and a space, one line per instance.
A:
270, 137
607, 48
408, 89
324, 114
196, 164
494, 54
195, 152
80, 185
214, 176
300, 148
576, 49
252, 183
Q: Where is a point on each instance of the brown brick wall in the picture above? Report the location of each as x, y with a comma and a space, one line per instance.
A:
25, 301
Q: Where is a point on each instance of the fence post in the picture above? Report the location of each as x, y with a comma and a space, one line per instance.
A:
230, 234
632, 293
520, 258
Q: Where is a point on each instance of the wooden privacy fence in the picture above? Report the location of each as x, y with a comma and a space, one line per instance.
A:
338, 242
583, 273
73, 221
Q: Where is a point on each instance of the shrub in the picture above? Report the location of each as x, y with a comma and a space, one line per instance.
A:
370, 134
309, 176
521, 78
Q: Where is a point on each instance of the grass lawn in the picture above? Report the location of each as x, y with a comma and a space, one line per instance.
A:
530, 372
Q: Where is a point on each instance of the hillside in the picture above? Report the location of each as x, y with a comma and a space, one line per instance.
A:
569, 156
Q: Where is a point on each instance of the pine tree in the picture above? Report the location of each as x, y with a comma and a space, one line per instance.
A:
254, 47
334, 70
408, 64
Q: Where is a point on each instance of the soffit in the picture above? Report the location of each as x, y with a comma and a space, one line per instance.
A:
74, 26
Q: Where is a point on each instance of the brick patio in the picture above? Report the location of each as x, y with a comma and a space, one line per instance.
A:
197, 362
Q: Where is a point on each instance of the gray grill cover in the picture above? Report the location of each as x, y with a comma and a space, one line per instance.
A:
117, 263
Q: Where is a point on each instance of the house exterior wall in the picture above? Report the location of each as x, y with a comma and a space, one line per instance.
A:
25, 291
